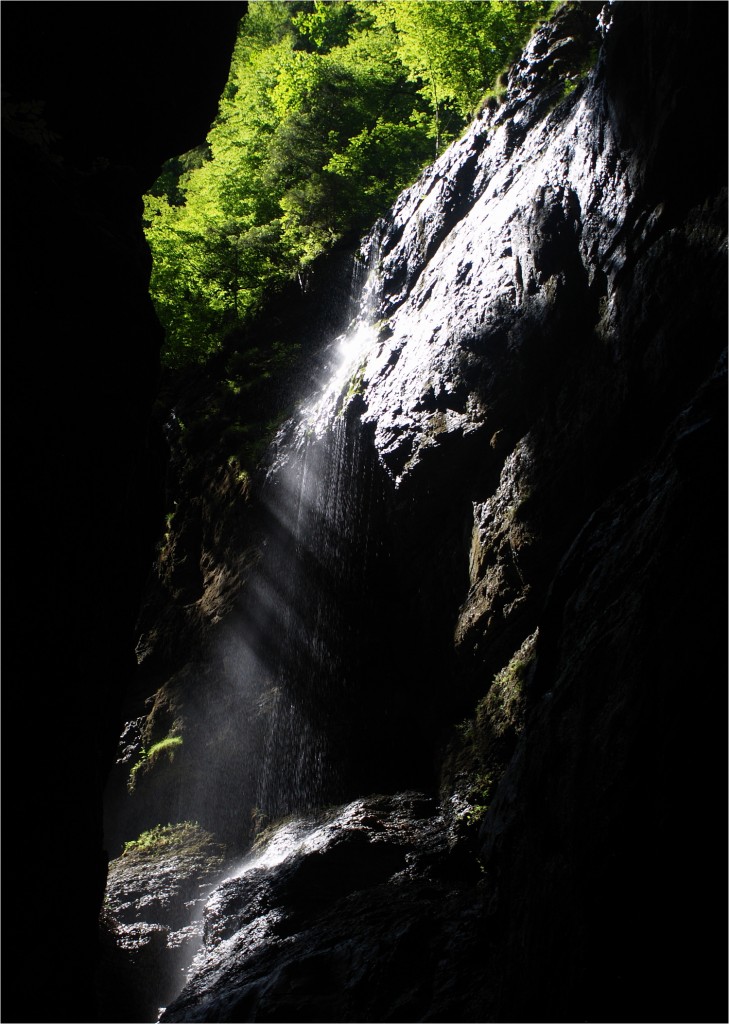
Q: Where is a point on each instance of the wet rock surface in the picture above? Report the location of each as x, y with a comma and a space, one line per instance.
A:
526, 361
541, 414
152, 919
359, 900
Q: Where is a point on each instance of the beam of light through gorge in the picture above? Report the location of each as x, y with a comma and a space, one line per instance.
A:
319, 494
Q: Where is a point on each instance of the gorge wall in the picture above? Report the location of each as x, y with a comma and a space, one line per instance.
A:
523, 632
521, 567
95, 98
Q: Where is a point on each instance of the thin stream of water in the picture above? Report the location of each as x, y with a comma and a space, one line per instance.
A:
318, 493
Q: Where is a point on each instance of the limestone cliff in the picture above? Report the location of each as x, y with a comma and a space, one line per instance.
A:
521, 564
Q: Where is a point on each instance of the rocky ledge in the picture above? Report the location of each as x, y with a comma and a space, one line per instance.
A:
356, 900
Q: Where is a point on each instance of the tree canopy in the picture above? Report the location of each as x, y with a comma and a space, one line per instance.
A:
331, 108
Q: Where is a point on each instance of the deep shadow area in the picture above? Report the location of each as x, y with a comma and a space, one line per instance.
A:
345, 642
96, 97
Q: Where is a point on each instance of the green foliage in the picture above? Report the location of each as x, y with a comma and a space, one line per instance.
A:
502, 707
165, 748
456, 50
480, 793
485, 743
241, 475
330, 109
356, 383
185, 836
259, 822
169, 523
354, 386
328, 25
255, 399
169, 745
580, 73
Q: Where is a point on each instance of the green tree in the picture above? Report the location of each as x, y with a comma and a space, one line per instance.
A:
456, 48
330, 109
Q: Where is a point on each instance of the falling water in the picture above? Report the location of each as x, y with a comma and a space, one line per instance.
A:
320, 493
294, 652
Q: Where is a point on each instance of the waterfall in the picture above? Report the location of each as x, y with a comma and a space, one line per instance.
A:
320, 493
286, 730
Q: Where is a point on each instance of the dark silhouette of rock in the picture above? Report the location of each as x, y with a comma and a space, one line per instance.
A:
95, 98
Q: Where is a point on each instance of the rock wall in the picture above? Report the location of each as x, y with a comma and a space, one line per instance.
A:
95, 98
545, 406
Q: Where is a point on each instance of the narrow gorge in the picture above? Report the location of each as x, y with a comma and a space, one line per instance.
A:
427, 719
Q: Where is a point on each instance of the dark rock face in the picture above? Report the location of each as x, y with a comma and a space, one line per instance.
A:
611, 710
152, 920
546, 404
83, 467
355, 901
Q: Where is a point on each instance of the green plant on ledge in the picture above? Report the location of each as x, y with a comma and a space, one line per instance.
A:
167, 747
355, 386
186, 837
481, 794
580, 73
483, 744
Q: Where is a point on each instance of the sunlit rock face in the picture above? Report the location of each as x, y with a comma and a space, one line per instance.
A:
530, 434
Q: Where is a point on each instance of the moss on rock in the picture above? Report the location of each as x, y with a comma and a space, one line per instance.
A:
480, 750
